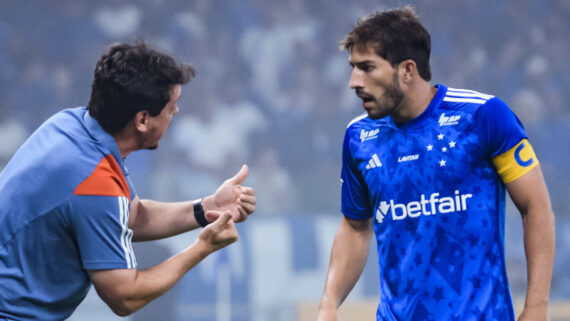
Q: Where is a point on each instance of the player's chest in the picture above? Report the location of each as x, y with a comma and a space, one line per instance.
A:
424, 154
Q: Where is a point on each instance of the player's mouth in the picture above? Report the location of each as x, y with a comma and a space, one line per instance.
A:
367, 100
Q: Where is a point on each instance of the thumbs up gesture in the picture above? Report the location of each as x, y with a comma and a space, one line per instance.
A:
231, 196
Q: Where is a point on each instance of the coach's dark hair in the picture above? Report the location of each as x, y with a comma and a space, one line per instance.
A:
396, 35
129, 78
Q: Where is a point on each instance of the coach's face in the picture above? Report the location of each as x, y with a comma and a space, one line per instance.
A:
157, 125
375, 81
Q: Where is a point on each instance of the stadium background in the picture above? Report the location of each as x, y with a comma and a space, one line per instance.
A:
272, 92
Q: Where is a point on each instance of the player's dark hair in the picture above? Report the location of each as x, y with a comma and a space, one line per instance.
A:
129, 78
396, 35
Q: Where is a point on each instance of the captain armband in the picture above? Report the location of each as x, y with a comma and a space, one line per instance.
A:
515, 162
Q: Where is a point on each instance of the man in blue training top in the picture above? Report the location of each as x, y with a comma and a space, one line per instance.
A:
69, 212
425, 171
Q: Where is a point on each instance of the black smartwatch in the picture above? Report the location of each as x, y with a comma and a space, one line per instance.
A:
199, 213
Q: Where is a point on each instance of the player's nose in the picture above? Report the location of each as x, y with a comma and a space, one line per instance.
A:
356, 79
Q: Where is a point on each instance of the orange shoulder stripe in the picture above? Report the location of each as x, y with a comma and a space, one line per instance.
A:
106, 180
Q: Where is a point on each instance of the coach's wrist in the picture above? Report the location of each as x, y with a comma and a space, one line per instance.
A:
208, 203
200, 213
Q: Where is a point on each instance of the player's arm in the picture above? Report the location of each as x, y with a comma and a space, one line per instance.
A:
152, 220
348, 258
127, 290
530, 195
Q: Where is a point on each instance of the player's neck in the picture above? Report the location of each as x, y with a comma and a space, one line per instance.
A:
416, 99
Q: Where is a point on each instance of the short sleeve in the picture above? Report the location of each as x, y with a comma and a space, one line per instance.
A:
100, 224
499, 128
504, 140
354, 194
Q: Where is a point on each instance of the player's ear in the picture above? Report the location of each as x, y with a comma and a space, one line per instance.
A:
407, 69
141, 120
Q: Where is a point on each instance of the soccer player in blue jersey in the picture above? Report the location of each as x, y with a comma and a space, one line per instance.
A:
68, 210
425, 170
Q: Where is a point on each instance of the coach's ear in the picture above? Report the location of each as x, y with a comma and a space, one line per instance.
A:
141, 121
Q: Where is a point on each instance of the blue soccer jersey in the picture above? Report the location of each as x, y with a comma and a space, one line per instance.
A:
64, 209
434, 188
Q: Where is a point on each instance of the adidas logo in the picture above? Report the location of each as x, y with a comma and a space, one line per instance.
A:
374, 162
448, 120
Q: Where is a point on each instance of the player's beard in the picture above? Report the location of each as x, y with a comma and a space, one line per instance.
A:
389, 101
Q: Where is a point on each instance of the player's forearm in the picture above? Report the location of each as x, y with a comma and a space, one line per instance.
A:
156, 220
539, 241
348, 258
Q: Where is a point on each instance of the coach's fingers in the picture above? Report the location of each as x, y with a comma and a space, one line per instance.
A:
240, 176
247, 190
247, 207
223, 219
212, 216
220, 233
249, 199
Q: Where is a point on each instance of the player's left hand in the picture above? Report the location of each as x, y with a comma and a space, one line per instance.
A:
231, 196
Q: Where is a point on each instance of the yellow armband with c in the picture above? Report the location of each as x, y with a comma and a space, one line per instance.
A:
515, 162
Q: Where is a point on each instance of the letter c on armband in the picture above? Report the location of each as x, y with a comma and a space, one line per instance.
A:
518, 158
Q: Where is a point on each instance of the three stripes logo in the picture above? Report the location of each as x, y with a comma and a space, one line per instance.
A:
466, 96
374, 162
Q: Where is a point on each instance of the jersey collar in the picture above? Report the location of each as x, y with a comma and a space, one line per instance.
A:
418, 121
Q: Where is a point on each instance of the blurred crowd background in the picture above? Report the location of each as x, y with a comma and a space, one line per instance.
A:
272, 91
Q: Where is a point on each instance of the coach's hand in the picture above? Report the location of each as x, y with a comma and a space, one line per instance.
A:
231, 196
221, 233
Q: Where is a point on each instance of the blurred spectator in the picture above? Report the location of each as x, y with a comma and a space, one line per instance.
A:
273, 185
13, 134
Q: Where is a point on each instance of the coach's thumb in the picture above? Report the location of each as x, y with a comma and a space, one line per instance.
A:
241, 175
212, 216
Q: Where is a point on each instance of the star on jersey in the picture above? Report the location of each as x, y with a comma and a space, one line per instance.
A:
444, 147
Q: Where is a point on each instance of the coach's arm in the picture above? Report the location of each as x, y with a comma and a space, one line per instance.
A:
530, 195
348, 258
127, 290
151, 220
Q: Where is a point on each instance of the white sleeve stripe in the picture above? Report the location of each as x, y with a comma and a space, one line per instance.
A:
126, 233
130, 235
456, 90
465, 100
131, 251
477, 95
362, 116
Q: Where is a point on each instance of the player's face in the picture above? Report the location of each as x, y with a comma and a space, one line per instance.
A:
375, 82
160, 123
